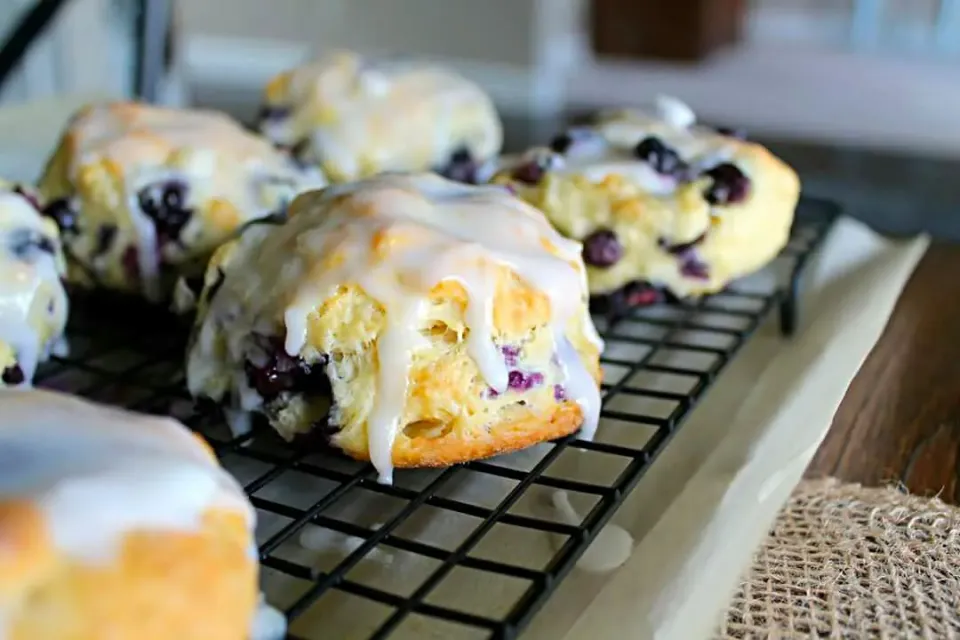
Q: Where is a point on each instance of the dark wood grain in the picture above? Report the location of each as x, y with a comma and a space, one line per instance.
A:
900, 420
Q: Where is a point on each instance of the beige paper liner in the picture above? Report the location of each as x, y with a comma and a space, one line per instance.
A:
759, 429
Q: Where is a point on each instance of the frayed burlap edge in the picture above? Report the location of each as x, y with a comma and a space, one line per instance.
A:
844, 561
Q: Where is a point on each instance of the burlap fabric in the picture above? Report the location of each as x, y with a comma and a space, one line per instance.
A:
843, 561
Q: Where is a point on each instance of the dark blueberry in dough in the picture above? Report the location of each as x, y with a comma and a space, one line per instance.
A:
281, 372
740, 134
13, 375
662, 158
510, 354
273, 112
529, 172
693, 267
27, 243
165, 203
559, 393
105, 237
461, 167
638, 293
63, 214
28, 197
562, 143
602, 248
730, 185
520, 381
682, 247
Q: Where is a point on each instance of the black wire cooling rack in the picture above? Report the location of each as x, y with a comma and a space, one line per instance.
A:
658, 364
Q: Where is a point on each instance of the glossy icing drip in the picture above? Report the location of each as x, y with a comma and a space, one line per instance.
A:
21, 278
372, 106
397, 237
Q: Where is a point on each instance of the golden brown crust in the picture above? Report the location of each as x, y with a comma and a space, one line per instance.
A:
516, 433
162, 585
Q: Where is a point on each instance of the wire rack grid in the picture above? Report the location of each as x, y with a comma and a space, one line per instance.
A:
340, 549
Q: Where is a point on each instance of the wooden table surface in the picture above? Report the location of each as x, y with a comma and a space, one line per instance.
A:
900, 420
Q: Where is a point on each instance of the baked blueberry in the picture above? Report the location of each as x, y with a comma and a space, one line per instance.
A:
461, 167
730, 185
27, 243
662, 158
13, 375
165, 204
531, 172
561, 143
602, 248
62, 213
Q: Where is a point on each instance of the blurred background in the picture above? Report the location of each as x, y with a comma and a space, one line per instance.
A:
863, 95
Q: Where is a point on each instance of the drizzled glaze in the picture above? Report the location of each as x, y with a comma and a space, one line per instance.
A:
606, 148
397, 237
209, 151
354, 110
29, 324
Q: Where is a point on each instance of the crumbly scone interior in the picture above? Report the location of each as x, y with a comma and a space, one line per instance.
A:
425, 309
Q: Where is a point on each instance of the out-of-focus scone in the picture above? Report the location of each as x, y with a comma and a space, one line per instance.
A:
356, 117
412, 320
143, 194
661, 204
33, 303
115, 525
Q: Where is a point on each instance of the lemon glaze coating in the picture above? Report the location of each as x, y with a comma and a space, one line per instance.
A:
356, 117
659, 201
415, 320
117, 525
144, 194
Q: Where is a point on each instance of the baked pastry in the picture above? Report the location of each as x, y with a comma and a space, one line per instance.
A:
661, 205
356, 118
411, 320
143, 194
33, 303
114, 525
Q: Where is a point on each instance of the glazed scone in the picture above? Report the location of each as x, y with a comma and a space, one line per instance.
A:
33, 303
661, 204
143, 194
116, 525
356, 118
412, 320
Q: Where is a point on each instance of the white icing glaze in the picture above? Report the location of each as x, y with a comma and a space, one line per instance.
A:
371, 108
608, 551
607, 148
206, 150
98, 473
401, 236
21, 277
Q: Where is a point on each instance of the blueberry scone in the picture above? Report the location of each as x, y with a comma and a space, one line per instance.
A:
33, 303
356, 118
115, 525
143, 194
661, 205
409, 319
